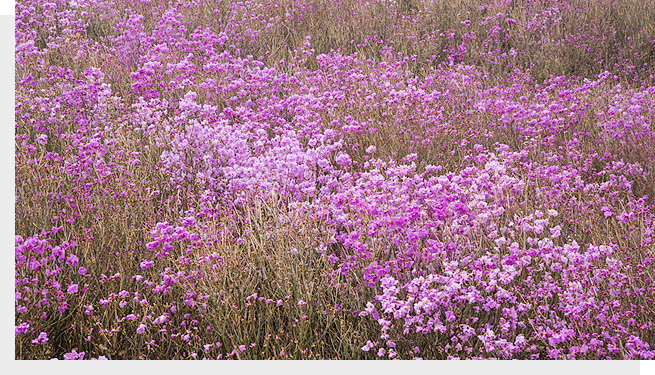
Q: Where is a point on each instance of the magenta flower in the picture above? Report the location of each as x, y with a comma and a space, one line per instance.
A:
146, 264
72, 260
74, 355
22, 328
72, 289
188, 221
41, 339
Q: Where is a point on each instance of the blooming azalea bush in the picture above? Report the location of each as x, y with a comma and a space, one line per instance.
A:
253, 180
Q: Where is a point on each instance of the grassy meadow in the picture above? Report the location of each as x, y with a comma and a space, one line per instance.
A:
335, 179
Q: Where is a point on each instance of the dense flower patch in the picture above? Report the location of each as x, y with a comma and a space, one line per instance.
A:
255, 180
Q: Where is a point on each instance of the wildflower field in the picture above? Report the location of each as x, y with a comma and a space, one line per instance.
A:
335, 179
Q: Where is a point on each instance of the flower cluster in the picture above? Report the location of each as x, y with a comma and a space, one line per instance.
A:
253, 180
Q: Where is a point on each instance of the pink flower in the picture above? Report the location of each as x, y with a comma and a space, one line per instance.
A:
141, 329
72, 260
72, 289
74, 355
343, 159
42, 339
188, 221
146, 264
22, 328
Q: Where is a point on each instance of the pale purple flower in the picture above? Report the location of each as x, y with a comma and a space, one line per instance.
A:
368, 346
343, 159
72, 289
